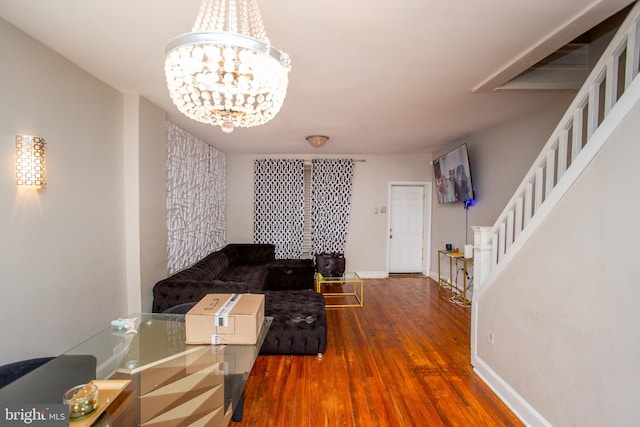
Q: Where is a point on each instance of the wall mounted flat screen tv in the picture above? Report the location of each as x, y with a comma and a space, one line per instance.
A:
453, 176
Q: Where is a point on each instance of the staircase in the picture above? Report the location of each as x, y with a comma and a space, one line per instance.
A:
601, 105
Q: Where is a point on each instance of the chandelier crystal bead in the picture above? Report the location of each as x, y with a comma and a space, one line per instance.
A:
225, 72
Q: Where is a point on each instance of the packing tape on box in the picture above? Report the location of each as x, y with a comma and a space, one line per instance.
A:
222, 315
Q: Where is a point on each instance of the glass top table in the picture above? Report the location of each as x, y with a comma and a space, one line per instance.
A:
167, 381
335, 295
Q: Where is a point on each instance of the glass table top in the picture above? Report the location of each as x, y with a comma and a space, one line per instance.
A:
349, 275
158, 351
158, 337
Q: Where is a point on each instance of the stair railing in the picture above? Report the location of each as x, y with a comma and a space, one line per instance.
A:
575, 141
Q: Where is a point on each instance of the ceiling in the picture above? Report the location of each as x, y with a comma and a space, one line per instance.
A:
377, 76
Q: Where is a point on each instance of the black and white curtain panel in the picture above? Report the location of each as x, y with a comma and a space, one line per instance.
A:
279, 205
331, 181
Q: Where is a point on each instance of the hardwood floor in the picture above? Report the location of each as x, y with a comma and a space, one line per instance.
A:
401, 360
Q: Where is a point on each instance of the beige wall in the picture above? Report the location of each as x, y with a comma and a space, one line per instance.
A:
564, 333
563, 312
366, 248
61, 250
152, 200
499, 157
63, 261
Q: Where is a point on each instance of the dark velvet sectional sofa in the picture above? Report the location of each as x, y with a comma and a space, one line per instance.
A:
299, 325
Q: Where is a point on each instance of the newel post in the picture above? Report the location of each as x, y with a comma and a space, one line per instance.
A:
481, 254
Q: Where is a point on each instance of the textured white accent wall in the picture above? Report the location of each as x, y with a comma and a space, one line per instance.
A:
196, 198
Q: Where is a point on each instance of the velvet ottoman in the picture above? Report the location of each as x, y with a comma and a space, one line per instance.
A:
299, 323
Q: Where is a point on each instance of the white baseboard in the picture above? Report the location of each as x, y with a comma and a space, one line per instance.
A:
434, 275
527, 414
372, 274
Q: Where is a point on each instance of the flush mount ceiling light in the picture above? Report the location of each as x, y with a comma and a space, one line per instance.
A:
317, 141
225, 72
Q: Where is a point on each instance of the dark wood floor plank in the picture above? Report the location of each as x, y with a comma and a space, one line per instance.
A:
401, 360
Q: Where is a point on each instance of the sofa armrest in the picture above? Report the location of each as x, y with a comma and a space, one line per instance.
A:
169, 293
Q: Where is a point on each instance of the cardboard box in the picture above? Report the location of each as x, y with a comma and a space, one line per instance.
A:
225, 319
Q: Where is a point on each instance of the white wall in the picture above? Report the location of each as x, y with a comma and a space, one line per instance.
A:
152, 172
499, 157
63, 264
61, 248
563, 312
366, 248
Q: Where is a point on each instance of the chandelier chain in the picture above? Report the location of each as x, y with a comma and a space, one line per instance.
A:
244, 18
207, 11
256, 21
223, 16
218, 20
233, 17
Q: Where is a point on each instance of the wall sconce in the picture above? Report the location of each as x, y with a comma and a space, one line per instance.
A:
30, 161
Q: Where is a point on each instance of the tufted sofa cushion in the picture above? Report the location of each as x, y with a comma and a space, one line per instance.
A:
254, 276
299, 323
249, 253
175, 292
290, 275
211, 267
236, 268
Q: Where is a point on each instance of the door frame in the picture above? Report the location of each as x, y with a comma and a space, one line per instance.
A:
426, 220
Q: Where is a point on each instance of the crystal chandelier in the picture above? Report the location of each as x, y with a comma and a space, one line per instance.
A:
225, 72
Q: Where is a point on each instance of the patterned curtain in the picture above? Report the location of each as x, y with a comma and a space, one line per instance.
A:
331, 181
279, 205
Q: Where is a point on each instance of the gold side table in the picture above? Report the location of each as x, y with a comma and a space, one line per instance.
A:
351, 280
460, 292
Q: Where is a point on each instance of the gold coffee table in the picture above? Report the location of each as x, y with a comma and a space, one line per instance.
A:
352, 281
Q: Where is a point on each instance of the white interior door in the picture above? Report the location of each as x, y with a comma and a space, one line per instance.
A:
406, 228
